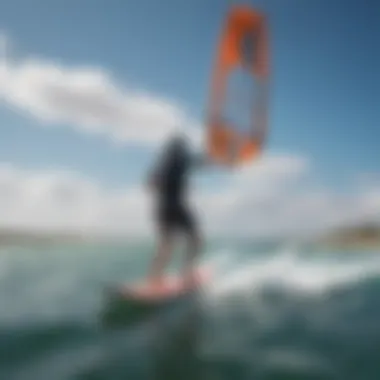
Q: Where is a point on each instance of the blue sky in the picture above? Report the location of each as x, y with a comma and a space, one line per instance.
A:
325, 81
325, 78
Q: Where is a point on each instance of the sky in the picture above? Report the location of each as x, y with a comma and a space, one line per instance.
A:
89, 91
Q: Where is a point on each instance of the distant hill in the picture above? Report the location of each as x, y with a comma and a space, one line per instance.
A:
365, 235
359, 236
18, 237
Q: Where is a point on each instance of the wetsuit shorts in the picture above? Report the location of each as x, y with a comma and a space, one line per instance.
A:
176, 217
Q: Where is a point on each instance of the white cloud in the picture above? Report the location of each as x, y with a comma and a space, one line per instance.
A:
65, 201
270, 197
267, 200
90, 100
275, 198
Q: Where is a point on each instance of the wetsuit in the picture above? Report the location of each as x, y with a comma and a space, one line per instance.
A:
171, 185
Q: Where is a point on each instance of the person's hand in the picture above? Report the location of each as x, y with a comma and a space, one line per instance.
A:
221, 162
151, 183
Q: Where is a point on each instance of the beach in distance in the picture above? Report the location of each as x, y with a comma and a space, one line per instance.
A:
361, 236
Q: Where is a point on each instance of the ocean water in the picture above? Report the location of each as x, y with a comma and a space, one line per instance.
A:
270, 313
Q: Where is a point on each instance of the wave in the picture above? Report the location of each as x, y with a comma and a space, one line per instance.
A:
289, 269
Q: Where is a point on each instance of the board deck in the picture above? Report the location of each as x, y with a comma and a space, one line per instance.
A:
171, 286
133, 302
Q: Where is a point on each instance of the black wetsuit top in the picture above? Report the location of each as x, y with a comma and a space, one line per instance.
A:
172, 185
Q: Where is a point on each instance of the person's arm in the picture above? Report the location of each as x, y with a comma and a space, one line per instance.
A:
203, 160
200, 160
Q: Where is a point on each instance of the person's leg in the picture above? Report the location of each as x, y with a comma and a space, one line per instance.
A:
164, 249
192, 254
193, 245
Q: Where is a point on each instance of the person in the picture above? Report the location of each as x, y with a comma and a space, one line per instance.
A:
168, 181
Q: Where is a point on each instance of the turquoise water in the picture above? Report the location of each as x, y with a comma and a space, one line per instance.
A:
271, 312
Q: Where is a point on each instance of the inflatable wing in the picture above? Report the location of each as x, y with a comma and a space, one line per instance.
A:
237, 113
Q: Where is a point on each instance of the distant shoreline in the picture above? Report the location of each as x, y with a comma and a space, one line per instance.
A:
341, 246
22, 238
357, 237
354, 237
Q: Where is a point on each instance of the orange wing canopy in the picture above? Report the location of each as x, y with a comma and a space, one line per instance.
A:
243, 48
